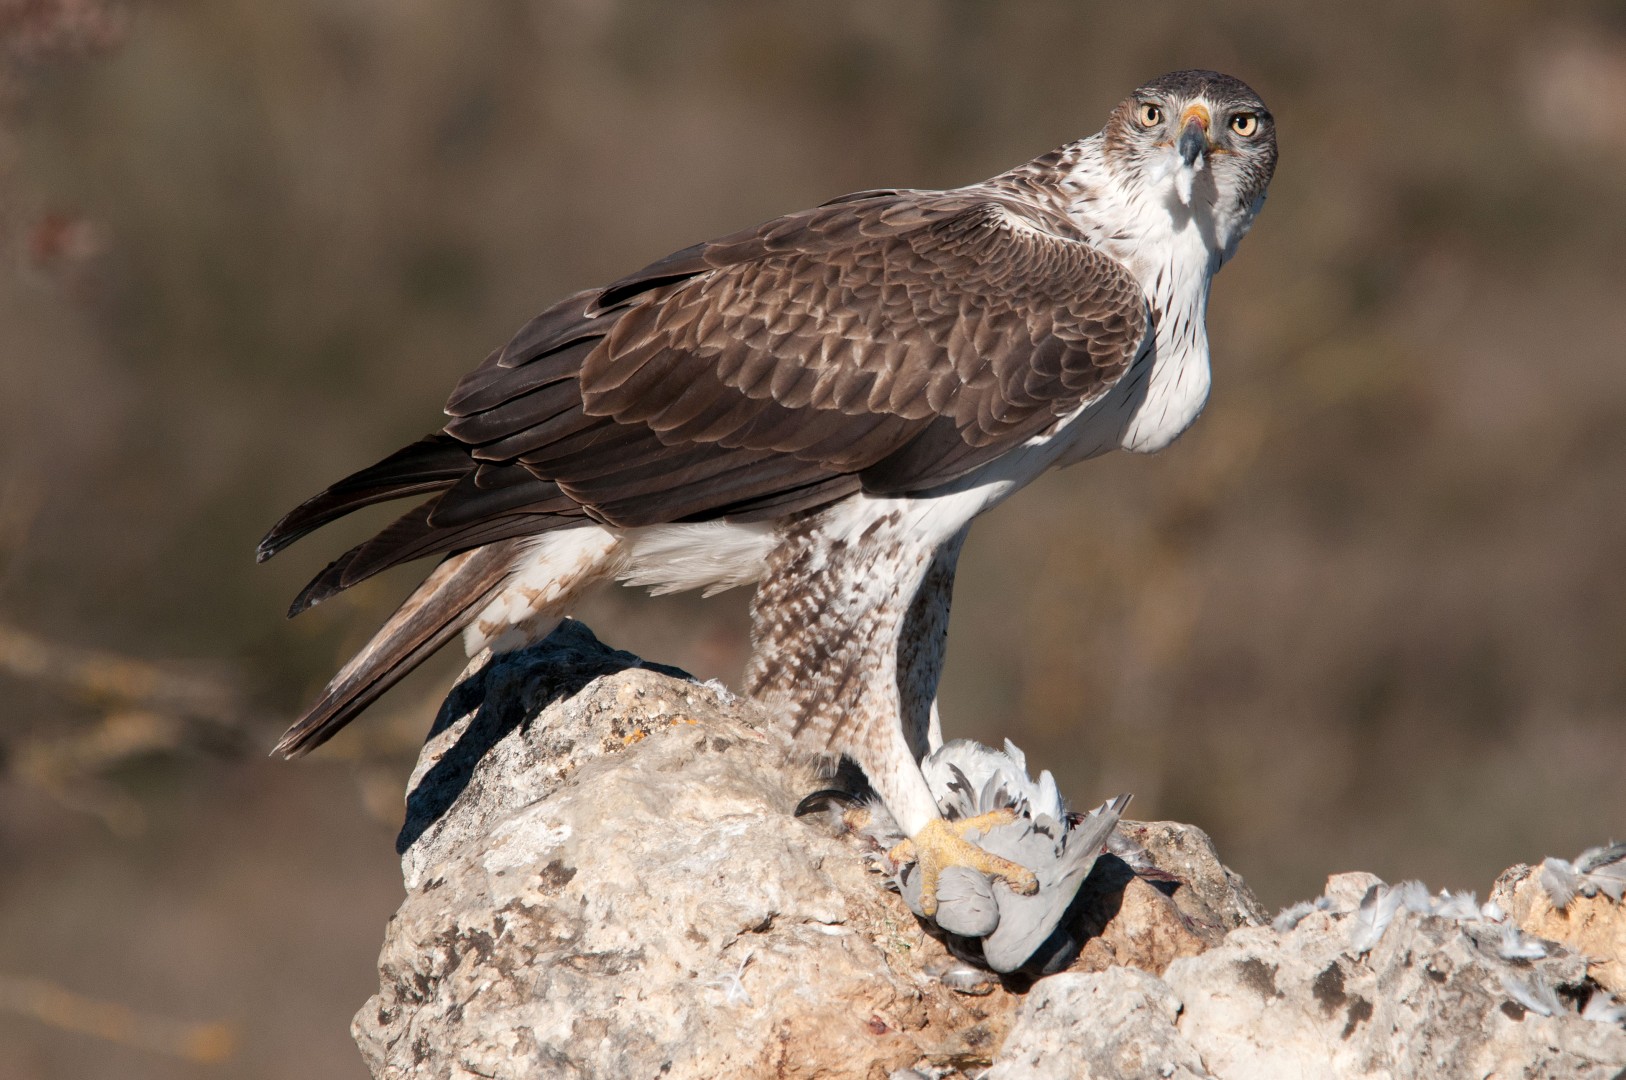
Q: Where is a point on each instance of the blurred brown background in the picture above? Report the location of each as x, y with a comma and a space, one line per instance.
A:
1369, 613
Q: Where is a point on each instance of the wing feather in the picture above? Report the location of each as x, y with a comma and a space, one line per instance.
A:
889, 341
492, 384
430, 464
412, 537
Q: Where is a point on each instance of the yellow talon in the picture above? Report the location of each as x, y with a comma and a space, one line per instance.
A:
942, 844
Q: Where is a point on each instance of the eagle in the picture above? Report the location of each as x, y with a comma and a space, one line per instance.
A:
820, 405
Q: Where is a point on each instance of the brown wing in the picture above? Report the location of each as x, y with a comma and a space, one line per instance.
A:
889, 341
823, 351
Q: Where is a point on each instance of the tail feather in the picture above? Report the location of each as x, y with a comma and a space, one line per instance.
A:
414, 536
433, 463
446, 602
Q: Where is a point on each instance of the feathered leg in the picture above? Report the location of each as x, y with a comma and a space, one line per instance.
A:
827, 623
921, 647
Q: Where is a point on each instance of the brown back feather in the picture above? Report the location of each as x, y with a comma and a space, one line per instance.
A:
898, 339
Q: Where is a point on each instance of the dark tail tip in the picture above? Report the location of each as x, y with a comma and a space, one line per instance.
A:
288, 747
275, 539
434, 614
307, 599
329, 582
287, 529
433, 463
340, 704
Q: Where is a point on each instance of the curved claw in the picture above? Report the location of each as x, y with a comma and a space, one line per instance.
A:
821, 800
942, 844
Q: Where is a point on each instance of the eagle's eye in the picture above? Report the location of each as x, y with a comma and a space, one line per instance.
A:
1150, 115
1245, 124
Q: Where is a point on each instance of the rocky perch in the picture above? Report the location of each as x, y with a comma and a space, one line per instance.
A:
605, 879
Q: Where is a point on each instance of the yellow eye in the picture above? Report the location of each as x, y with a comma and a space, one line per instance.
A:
1245, 124
1149, 115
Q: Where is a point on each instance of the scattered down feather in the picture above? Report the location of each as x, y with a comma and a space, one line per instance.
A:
1596, 870
1534, 994
1602, 1008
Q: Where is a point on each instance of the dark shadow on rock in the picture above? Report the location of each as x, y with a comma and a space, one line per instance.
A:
504, 695
1098, 900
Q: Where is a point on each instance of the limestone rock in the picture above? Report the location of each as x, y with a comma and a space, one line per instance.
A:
1211, 895
605, 879
473, 760
1594, 926
1117, 1024
1432, 998
1186, 901
1138, 926
612, 884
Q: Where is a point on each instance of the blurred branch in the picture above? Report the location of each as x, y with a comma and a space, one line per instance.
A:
70, 768
143, 709
99, 677
119, 683
50, 1004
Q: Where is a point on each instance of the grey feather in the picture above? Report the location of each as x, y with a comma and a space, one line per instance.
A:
1373, 917
1026, 922
1596, 870
1559, 878
1290, 917
1461, 906
1534, 995
1605, 870
969, 779
965, 900
1601, 1008
1414, 897
1516, 946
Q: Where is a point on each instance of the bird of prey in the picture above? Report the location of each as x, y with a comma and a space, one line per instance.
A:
821, 405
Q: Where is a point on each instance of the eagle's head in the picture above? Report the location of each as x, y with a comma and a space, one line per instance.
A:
1200, 141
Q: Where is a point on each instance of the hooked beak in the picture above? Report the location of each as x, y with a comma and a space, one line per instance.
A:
1193, 141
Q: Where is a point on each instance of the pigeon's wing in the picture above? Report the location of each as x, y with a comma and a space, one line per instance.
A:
1026, 923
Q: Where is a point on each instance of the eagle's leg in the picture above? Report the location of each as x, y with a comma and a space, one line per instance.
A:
921, 647
827, 627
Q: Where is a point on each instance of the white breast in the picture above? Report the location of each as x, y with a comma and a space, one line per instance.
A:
1178, 376
1170, 248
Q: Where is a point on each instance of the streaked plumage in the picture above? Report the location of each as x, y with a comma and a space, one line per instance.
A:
821, 403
